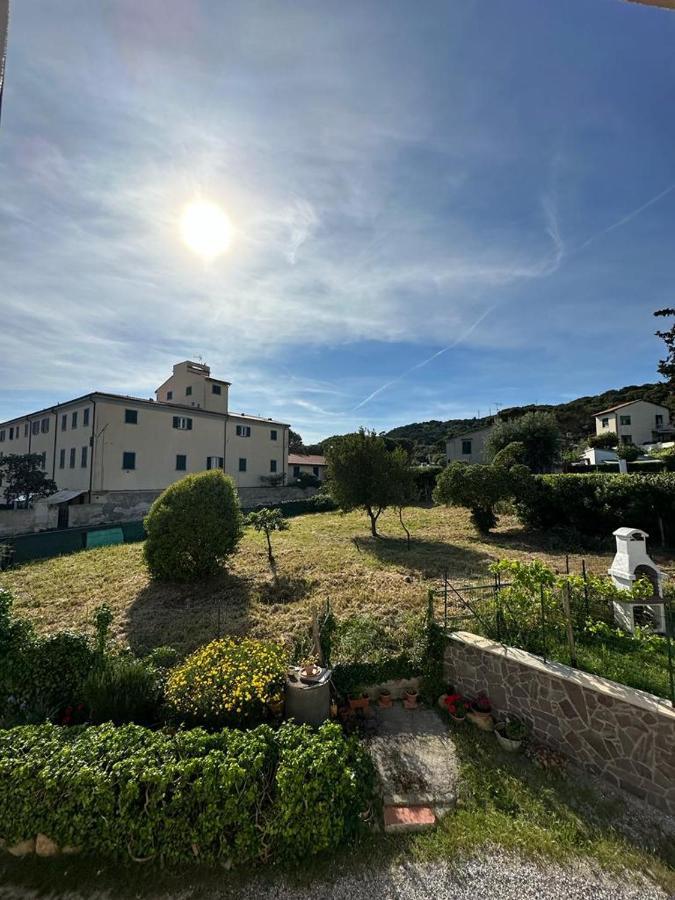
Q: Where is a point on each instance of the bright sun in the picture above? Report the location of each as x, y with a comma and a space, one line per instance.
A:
206, 229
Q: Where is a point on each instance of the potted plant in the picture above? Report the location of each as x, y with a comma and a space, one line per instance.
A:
384, 698
511, 733
358, 700
480, 713
442, 700
276, 705
410, 698
457, 707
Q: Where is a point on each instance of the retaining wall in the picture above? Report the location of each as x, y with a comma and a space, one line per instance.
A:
621, 734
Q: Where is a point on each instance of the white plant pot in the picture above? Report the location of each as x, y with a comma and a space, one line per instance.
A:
507, 744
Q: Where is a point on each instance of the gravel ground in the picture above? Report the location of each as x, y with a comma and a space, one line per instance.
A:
499, 876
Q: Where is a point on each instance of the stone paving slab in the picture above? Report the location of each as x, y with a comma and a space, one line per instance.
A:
415, 758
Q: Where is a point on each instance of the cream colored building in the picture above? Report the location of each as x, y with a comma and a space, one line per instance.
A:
469, 447
636, 422
306, 465
104, 443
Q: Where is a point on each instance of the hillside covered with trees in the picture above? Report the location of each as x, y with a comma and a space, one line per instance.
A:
574, 418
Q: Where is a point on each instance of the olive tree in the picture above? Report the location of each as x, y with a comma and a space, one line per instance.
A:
479, 488
363, 473
267, 521
192, 527
539, 434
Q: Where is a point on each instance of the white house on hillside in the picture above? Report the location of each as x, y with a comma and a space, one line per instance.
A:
469, 447
636, 422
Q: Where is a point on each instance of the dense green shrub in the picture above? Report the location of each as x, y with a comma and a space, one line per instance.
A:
122, 689
424, 481
598, 504
193, 526
227, 682
316, 504
232, 796
480, 488
38, 675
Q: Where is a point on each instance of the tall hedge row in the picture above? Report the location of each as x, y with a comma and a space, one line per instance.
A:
231, 796
598, 504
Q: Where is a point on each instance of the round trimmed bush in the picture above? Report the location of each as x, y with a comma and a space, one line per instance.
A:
227, 682
192, 527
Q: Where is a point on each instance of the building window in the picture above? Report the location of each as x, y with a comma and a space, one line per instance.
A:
128, 460
169, 395
25, 429
43, 460
181, 462
605, 423
62, 459
85, 416
64, 422
44, 426
626, 438
2, 435
296, 471
131, 416
273, 465
315, 470
659, 419
214, 462
242, 464
188, 391
624, 420
73, 420
83, 458
216, 389
182, 422
11, 432
273, 434
72, 457
35, 428
466, 448
243, 431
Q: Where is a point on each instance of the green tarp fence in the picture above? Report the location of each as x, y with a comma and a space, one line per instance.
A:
44, 544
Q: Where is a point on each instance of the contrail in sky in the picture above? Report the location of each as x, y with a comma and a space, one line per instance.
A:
560, 257
425, 362
627, 218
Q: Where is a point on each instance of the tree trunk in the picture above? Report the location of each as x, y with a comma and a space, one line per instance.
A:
373, 521
403, 525
270, 555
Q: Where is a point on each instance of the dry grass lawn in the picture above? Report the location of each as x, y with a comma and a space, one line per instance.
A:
317, 559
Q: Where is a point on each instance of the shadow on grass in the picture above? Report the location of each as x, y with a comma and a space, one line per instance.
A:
286, 589
186, 616
429, 558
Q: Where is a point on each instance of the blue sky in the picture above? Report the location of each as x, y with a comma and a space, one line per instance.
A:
495, 181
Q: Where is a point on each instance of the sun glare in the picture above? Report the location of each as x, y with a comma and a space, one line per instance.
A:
206, 229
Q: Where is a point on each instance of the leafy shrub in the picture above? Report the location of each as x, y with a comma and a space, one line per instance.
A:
597, 504
537, 433
480, 488
193, 526
227, 682
121, 689
163, 657
232, 796
290, 508
38, 675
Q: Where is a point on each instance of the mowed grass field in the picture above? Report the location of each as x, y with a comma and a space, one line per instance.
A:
325, 556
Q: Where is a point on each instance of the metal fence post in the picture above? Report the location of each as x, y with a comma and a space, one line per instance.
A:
570, 627
583, 572
498, 608
445, 600
543, 621
669, 638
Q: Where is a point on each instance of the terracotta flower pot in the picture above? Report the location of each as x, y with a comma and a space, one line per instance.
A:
458, 718
410, 699
384, 699
361, 702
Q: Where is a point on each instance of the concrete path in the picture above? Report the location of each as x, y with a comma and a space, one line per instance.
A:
416, 764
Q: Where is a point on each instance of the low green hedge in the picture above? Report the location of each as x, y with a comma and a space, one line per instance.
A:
231, 796
290, 508
597, 504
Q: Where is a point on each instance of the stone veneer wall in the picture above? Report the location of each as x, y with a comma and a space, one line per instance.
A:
623, 735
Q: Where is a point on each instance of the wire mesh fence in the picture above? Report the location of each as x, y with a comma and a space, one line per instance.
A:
570, 621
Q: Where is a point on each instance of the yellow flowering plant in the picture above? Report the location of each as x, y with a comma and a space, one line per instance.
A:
227, 682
